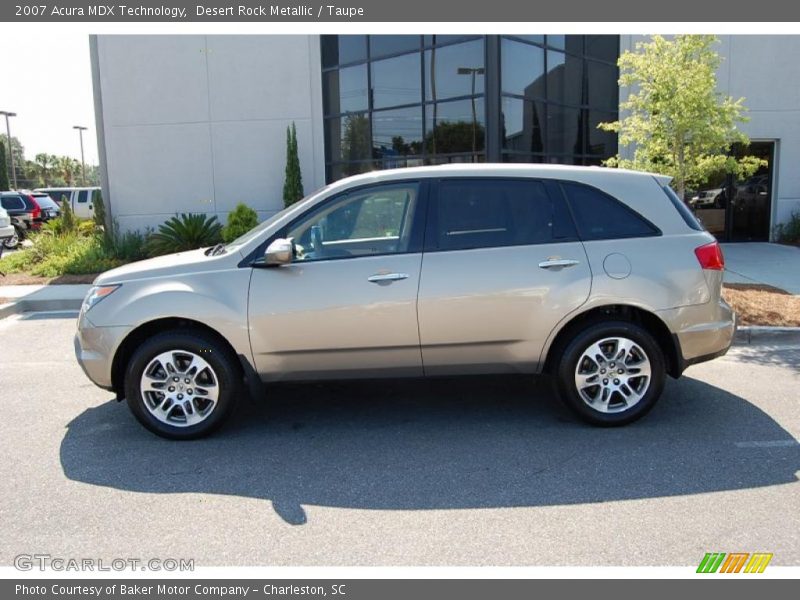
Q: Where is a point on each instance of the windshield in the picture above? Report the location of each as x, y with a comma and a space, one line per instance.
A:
256, 231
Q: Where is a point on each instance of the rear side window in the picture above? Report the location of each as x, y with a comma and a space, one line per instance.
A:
484, 213
598, 216
12, 203
684, 210
59, 196
83, 196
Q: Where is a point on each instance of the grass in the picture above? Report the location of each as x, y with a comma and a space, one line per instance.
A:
762, 305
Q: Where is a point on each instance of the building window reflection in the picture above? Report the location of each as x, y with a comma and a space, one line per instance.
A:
405, 100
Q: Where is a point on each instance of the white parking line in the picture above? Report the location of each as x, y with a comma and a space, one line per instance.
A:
769, 444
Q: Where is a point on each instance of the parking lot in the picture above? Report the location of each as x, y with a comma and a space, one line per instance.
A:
478, 471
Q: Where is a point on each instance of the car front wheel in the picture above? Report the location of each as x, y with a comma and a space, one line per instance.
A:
182, 385
611, 373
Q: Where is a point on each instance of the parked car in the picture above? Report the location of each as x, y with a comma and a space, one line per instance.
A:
25, 213
602, 278
81, 199
714, 198
6, 229
50, 209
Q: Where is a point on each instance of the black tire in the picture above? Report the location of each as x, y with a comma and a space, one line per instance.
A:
225, 367
567, 364
13, 242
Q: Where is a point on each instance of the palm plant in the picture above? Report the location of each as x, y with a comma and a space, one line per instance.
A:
184, 232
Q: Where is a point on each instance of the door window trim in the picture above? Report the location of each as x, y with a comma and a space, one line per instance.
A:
415, 241
432, 221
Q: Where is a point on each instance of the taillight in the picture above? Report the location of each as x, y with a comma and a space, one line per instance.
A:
37, 210
710, 256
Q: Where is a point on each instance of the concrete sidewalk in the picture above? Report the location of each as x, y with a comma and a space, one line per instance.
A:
24, 298
769, 264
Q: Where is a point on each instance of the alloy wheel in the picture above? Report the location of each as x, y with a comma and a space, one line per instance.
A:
179, 388
613, 375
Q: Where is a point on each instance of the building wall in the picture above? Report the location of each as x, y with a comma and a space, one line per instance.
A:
764, 70
198, 123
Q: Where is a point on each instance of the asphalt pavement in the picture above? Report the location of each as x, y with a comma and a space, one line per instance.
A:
470, 471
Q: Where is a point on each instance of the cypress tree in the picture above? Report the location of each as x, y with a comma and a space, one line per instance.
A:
293, 180
3, 169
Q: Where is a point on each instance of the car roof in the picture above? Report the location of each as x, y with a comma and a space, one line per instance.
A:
547, 171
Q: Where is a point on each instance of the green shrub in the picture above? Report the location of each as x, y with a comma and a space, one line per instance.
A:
67, 217
68, 253
86, 227
789, 232
184, 232
99, 211
52, 227
127, 247
241, 220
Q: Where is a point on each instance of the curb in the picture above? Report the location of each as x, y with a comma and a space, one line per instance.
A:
757, 334
21, 306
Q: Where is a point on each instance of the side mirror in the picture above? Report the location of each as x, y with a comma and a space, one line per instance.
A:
279, 252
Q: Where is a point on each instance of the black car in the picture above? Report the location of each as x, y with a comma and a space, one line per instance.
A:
25, 212
50, 208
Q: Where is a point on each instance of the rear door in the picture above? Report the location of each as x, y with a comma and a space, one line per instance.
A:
502, 266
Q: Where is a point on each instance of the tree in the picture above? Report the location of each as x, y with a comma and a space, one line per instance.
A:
3, 169
356, 145
455, 136
293, 181
44, 163
67, 167
240, 220
674, 117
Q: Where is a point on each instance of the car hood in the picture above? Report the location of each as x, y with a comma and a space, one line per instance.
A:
181, 263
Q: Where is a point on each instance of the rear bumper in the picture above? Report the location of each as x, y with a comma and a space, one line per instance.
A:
701, 332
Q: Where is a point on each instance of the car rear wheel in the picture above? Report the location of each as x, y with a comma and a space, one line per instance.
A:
182, 385
611, 373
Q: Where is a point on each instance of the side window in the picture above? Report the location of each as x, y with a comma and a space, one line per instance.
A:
484, 213
60, 196
83, 196
13, 203
365, 222
598, 216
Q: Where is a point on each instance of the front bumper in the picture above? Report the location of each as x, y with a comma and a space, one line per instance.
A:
95, 348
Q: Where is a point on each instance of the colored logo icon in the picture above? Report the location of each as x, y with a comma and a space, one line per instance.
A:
734, 562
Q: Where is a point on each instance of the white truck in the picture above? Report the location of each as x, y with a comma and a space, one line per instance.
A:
81, 199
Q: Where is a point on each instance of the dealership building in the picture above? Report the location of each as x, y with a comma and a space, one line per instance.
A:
198, 123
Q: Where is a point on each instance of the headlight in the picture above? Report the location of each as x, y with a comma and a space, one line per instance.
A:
97, 293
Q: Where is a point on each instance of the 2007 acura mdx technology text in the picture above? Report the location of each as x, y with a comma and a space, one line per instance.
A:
601, 277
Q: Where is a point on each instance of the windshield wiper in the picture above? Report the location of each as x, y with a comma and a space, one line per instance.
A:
218, 249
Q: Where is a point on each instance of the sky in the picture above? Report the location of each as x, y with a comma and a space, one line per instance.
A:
47, 81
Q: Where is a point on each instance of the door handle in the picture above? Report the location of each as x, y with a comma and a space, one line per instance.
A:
381, 277
557, 262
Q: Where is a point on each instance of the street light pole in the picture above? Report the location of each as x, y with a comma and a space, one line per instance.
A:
473, 71
83, 163
8, 114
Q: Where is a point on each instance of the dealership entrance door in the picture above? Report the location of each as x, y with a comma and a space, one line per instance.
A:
739, 210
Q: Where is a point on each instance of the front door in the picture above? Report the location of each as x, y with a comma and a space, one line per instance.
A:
347, 304
502, 266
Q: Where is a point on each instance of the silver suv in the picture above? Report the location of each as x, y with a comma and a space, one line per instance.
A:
600, 277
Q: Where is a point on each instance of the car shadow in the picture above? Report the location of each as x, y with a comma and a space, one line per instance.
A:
438, 444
